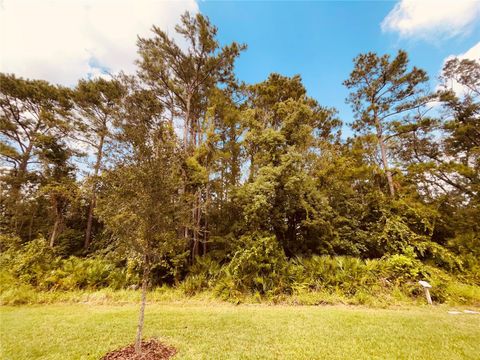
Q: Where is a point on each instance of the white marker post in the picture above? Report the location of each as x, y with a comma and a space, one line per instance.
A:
426, 286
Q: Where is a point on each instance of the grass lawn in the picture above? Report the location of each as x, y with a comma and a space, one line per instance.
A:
217, 331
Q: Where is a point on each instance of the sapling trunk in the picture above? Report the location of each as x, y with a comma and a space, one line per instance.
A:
141, 316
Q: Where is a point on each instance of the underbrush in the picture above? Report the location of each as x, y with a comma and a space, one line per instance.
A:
257, 273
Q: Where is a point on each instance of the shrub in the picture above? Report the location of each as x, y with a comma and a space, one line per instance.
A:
463, 293
207, 266
401, 268
347, 274
467, 245
32, 262
9, 242
13, 292
203, 275
35, 264
193, 284
90, 273
259, 266
70, 241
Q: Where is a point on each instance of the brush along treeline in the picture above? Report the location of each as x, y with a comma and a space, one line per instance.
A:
259, 271
200, 181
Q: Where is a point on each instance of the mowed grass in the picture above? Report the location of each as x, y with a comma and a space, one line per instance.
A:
217, 331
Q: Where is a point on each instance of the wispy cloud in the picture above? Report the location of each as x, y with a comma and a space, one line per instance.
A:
432, 19
64, 40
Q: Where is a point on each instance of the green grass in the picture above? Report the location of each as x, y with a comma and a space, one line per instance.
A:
223, 331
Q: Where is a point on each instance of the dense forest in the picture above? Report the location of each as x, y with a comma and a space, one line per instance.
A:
183, 175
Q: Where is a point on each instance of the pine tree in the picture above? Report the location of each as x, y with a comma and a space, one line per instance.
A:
385, 90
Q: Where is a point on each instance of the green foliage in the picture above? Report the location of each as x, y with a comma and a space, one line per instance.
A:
90, 273
69, 242
459, 293
37, 266
259, 266
403, 268
259, 197
9, 242
15, 292
467, 245
346, 274
31, 263
194, 283
203, 275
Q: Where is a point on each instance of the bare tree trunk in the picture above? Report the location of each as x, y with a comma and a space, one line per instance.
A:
196, 225
198, 219
185, 148
96, 171
141, 316
205, 230
187, 122
205, 239
88, 232
56, 227
30, 227
383, 151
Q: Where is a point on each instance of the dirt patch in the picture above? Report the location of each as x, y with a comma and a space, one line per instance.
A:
151, 350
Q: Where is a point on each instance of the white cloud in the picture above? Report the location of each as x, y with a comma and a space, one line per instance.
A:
472, 54
432, 18
64, 40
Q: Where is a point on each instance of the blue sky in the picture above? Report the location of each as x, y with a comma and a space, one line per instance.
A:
64, 40
318, 40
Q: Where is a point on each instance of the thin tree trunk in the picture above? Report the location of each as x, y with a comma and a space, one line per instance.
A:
96, 171
30, 226
187, 122
383, 151
141, 316
88, 231
195, 228
205, 230
17, 186
185, 146
56, 227
198, 219
22, 170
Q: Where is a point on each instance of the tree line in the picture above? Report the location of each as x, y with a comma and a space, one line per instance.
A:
182, 160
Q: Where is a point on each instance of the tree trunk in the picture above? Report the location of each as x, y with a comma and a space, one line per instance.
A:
198, 219
187, 122
185, 149
141, 316
30, 227
205, 230
54, 235
383, 151
17, 186
20, 176
88, 232
195, 228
